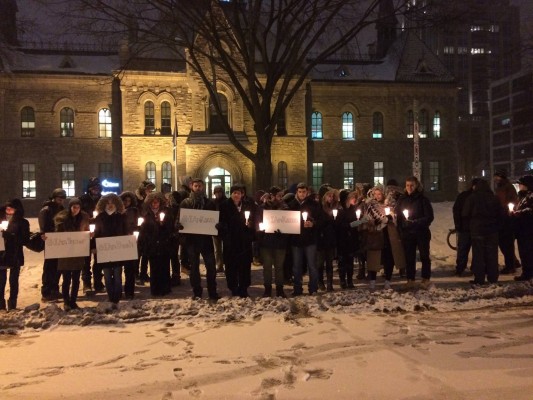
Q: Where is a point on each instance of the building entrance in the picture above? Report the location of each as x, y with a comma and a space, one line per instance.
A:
218, 176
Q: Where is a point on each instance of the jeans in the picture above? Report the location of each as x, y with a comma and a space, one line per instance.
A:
410, 243
13, 285
299, 255
325, 256
96, 272
271, 257
464, 243
70, 294
346, 268
485, 258
195, 248
113, 282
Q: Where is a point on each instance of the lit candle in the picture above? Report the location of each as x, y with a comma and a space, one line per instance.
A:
95, 213
261, 226
4, 225
92, 227
387, 210
247, 215
140, 221
335, 211
511, 207
304, 215
161, 216
136, 234
406, 214
358, 214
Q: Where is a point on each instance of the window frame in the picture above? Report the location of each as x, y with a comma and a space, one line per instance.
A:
379, 173
283, 174
377, 125
68, 179
66, 122
105, 127
317, 131
166, 172
348, 126
149, 118
437, 124
348, 177
150, 172
27, 122
434, 176
317, 174
166, 120
29, 181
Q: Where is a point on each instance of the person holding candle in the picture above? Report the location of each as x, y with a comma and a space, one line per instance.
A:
110, 221
145, 188
218, 198
50, 278
414, 229
522, 217
485, 214
131, 214
73, 219
237, 227
327, 237
15, 236
304, 245
155, 240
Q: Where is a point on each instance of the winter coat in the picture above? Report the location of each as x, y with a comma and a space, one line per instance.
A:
47, 214
108, 225
271, 240
198, 202
236, 236
307, 236
522, 216
420, 214
484, 210
88, 203
461, 223
65, 222
15, 237
156, 236
347, 237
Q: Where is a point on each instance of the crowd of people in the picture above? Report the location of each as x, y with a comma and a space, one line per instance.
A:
373, 228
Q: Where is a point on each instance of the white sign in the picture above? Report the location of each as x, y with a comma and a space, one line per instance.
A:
66, 244
2, 244
116, 248
200, 222
285, 221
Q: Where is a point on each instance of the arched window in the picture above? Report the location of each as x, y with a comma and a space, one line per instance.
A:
410, 124
281, 127
283, 175
149, 121
377, 125
436, 125
348, 129
166, 173
423, 120
216, 121
27, 122
316, 126
66, 122
150, 172
166, 127
104, 123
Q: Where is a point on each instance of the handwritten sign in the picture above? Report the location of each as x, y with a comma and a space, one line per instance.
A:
200, 222
116, 248
2, 244
66, 244
285, 221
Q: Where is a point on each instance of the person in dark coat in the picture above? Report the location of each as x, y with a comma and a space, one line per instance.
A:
15, 237
485, 214
348, 238
304, 245
109, 222
155, 240
327, 237
237, 234
145, 188
88, 205
197, 245
414, 230
50, 278
174, 200
131, 213
462, 228
73, 219
218, 198
522, 217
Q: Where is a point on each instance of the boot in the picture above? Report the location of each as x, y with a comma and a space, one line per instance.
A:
268, 291
12, 304
2, 305
175, 280
280, 292
361, 273
343, 283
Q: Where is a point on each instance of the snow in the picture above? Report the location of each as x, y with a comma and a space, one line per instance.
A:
451, 342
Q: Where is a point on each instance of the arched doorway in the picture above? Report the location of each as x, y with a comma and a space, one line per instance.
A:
218, 176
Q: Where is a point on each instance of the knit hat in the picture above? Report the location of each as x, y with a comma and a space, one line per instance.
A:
58, 193
73, 201
94, 182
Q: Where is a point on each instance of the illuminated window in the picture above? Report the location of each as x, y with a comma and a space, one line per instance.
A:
66, 122
378, 173
423, 120
283, 175
150, 172
104, 123
410, 124
377, 125
348, 177
436, 125
27, 122
166, 128
348, 131
316, 126
434, 179
149, 119
166, 172
318, 174
67, 179
29, 185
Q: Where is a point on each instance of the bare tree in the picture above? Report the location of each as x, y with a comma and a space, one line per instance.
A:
265, 49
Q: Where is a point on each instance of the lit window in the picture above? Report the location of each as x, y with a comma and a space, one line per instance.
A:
316, 126
348, 178
27, 122
434, 179
67, 179
104, 123
318, 174
377, 125
166, 128
449, 50
28, 181
283, 175
410, 124
166, 172
348, 131
149, 119
436, 124
423, 121
150, 172
66, 122
378, 173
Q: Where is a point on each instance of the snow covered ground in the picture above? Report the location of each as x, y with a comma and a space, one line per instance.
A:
452, 342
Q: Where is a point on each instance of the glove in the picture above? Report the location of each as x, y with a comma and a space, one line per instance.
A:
407, 223
277, 232
218, 226
355, 224
179, 226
